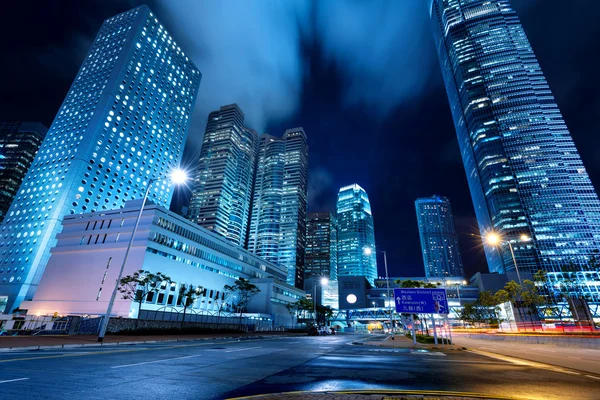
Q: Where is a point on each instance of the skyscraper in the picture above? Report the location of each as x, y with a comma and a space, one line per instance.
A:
222, 190
19, 143
439, 241
321, 246
124, 121
278, 223
525, 175
356, 234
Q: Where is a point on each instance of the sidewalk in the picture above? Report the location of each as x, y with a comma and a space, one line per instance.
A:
31, 342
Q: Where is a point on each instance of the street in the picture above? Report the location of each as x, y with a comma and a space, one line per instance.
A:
218, 369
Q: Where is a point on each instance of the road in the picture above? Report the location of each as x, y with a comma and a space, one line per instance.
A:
220, 369
570, 357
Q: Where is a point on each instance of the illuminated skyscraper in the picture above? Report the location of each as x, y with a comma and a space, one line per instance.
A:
439, 241
223, 186
321, 247
356, 234
124, 121
525, 174
19, 143
278, 223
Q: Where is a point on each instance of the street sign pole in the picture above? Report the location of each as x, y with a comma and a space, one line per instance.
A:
414, 335
434, 330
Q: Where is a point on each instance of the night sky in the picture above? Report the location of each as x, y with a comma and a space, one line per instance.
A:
362, 78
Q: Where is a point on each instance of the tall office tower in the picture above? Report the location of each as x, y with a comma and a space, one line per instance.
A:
278, 223
265, 222
19, 143
439, 241
525, 174
356, 234
222, 190
321, 247
123, 122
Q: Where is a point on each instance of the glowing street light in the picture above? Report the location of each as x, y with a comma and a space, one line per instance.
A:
178, 177
368, 251
495, 240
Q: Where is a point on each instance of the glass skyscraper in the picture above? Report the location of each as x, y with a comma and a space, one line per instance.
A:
222, 190
321, 247
439, 241
124, 121
278, 223
356, 234
525, 175
19, 143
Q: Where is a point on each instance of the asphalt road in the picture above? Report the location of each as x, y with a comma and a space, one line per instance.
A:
228, 368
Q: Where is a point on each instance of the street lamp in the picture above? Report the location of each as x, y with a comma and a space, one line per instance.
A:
324, 281
177, 177
494, 239
368, 251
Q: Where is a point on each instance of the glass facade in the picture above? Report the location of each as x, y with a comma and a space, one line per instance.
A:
439, 241
223, 185
356, 234
278, 222
321, 247
19, 143
123, 122
525, 175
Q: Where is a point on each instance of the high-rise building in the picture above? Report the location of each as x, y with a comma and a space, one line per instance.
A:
321, 246
357, 255
19, 143
439, 241
278, 223
525, 175
123, 122
222, 190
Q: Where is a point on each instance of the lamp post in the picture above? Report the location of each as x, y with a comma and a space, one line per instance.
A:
323, 281
368, 251
495, 240
177, 177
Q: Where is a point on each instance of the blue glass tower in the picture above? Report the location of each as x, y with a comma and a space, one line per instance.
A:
439, 241
124, 121
525, 175
356, 234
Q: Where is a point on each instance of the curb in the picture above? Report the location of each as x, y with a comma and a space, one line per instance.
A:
78, 345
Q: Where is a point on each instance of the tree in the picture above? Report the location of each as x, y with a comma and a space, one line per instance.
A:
324, 313
187, 297
244, 292
292, 309
530, 297
222, 302
137, 286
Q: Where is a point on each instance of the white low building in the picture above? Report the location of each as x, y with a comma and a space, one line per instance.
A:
84, 265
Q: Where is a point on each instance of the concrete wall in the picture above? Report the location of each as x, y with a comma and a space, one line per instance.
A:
557, 340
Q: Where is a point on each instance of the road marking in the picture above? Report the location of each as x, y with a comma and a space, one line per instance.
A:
157, 361
593, 377
14, 380
247, 348
95, 353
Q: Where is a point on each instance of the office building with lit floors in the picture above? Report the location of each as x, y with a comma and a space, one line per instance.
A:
528, 184
439, 241
356, 234
85, 263
123, 123
278, 222
19, 143
320, 261
222, 188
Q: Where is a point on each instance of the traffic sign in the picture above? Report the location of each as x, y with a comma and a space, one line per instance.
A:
421, 301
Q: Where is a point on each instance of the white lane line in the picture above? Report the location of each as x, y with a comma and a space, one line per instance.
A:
593, 377
247, 348
157, 361
14, 380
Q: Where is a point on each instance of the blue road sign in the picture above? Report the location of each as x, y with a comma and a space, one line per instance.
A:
421, 301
